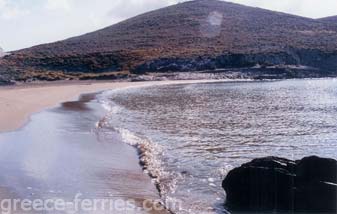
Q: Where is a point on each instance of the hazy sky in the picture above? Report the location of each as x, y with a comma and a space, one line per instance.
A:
24, 23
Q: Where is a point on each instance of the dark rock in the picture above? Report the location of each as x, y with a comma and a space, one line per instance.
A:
277, 184
316, 169
319, 64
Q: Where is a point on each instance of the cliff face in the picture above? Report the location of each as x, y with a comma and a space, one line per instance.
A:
191, 36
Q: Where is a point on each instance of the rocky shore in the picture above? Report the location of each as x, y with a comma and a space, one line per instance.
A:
287, 60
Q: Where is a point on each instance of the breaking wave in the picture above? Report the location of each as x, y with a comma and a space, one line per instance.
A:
149, 152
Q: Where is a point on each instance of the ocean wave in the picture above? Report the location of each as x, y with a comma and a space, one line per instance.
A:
149, 152
149, 158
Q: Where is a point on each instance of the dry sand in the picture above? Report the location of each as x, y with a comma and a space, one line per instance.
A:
18, 103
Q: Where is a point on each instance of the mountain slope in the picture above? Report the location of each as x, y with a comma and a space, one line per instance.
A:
196, 35
331, 19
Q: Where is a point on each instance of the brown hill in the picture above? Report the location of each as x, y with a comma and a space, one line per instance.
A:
190, 36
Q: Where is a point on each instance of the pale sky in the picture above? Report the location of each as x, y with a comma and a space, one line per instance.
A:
24, 23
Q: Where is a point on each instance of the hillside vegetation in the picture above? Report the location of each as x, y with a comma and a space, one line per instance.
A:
191, 36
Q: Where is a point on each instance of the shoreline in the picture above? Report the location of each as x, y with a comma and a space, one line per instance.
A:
86, 107
78, 161
18, 103
35, 102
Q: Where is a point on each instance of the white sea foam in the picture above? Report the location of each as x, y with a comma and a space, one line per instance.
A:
149, 152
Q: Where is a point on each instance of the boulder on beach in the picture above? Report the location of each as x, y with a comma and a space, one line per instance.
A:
278, 184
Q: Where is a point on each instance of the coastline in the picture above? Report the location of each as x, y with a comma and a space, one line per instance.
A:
77, 161
18, 103
76, 147
28, 110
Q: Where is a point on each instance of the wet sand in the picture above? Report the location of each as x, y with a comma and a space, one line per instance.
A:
18, 103
60, 154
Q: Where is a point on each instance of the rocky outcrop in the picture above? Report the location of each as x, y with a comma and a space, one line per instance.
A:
323, 63
217, 62
277, 184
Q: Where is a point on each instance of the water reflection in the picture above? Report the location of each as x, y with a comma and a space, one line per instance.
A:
206, 129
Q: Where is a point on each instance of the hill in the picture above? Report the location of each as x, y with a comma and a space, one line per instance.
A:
331, 19
191, 36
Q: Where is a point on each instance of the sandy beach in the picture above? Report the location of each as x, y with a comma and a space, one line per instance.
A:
58, 155
19, 102
53, 154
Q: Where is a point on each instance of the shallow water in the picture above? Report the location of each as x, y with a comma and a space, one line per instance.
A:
60, 154
192, 135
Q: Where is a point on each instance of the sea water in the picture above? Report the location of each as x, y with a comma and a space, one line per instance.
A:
190, 136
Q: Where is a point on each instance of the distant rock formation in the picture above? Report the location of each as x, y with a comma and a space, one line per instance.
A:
277, 184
